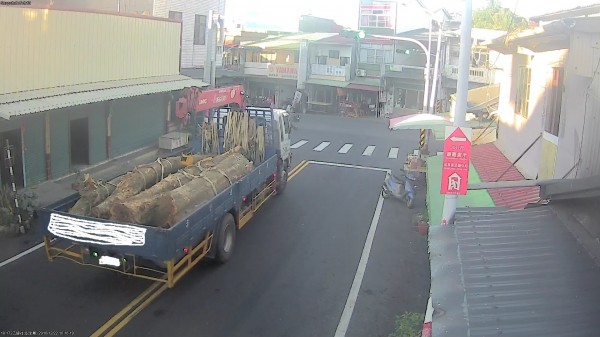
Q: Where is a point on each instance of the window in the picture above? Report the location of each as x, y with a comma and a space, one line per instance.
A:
200, 30
322, 59
376, 56
176, 16
523, 86
344, 61
553, 110
334, 54
376, 18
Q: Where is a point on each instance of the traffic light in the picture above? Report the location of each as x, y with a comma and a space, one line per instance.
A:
353, 34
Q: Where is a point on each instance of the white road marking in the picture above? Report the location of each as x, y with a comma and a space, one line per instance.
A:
349, 166
369, 150
20, 255
393, 153
298, 144
321, 146
345, 148
342, 327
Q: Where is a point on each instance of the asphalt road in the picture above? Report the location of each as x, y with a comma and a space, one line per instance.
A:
293, 268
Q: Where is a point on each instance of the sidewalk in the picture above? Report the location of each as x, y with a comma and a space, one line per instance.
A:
435, 200
52, 191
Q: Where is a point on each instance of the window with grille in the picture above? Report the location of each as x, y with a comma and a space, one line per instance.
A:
553, 109
200, 30
523, 88
175, 15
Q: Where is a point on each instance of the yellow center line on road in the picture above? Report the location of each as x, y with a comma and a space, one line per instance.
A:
300, 164
117, 322
138, 301
303, 164
136, 311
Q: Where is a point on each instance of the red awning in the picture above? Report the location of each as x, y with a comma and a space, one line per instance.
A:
362, 87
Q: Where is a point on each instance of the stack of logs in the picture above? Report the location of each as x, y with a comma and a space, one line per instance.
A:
162, 193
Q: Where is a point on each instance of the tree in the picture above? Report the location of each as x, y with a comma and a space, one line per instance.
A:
493, 16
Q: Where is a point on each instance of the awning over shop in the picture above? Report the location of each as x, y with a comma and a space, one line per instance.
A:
363, 87
482, 99
329, 83
419, 121
28, 102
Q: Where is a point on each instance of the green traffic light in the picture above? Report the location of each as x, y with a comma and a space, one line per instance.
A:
361, 34
95, 254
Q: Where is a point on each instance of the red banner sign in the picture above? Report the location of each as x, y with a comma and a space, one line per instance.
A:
455, 167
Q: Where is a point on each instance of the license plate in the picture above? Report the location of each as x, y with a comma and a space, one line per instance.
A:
109, 261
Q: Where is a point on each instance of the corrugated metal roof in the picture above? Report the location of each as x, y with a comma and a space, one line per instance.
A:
490, 163
27, 102
500, 272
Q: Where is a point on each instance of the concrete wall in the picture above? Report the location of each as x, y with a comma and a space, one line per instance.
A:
68, 48
516, 132
323, 50
578, 131
192, 56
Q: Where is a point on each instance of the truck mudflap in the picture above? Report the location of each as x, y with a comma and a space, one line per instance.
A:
126, 263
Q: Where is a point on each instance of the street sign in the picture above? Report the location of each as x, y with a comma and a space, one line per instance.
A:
455, 167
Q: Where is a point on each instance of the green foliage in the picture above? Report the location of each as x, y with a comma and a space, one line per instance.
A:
423, 215
409, 325
27, 203
496, 17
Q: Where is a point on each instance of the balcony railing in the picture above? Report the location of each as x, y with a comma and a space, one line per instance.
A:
479, 75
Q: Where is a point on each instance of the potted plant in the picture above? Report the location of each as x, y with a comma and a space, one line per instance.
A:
423, 222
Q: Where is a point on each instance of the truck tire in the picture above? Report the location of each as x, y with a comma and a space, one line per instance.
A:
282, 175
225, 240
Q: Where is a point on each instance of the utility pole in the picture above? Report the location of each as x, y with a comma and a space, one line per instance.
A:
209, 62
462, 87
434, 85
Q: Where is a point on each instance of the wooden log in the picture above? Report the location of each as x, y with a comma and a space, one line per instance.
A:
138, 180
134, 208
160, 210
89, 199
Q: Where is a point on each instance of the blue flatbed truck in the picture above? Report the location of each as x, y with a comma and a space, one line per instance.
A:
166, 255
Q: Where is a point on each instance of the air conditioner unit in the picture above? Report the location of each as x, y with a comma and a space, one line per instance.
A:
361, 72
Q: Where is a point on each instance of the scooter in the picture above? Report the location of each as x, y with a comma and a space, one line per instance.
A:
401, 188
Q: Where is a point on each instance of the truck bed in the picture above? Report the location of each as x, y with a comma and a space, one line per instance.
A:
151, 243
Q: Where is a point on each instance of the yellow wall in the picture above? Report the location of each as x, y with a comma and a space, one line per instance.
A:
42, 48
548, 159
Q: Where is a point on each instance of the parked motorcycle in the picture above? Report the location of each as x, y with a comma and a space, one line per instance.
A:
399, 187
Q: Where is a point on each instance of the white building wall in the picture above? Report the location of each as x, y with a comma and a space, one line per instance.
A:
581, 100
192, 56
516, 132
323, 50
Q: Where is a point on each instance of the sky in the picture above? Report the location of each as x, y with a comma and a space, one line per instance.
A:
284, 14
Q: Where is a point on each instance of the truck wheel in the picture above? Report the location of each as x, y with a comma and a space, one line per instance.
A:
225, 239
282, 183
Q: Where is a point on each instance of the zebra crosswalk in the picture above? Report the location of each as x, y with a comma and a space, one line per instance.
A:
367, 151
